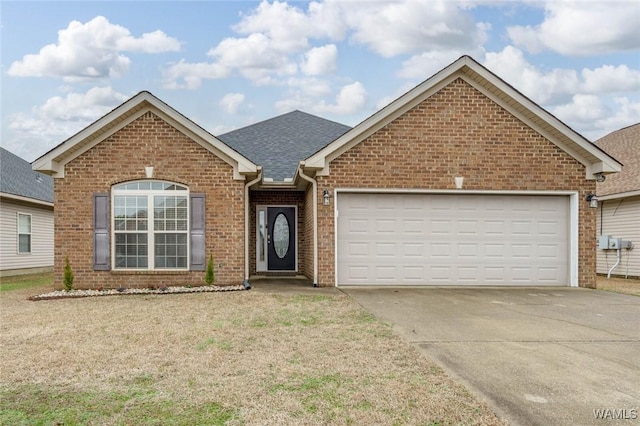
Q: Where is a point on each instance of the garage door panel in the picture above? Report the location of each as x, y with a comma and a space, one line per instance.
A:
452, 239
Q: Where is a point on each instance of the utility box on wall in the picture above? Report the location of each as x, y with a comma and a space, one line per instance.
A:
615, 243
607, 242
603, 242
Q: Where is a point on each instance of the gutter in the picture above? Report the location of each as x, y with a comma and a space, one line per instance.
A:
315, 220
246, 283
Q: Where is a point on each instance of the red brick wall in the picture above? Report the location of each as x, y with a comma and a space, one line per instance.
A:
279, 198
457, 132
148, 141
307, 247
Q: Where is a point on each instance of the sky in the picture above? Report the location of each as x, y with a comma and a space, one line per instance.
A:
229, 64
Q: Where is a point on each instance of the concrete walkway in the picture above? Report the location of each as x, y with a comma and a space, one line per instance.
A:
537, 356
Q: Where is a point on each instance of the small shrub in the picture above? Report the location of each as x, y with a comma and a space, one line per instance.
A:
209, 276
68, 275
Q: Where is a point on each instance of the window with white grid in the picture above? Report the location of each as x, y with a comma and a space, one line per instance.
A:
150, 225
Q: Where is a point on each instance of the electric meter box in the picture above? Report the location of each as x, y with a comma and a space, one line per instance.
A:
615, 243
603, 242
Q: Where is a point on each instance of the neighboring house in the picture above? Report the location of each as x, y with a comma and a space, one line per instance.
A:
619, 203
462, 180
26, 217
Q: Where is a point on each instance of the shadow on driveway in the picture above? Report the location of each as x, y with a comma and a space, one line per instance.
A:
537, 356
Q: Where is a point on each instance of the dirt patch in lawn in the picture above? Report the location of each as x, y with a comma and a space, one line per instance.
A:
619, 285
217, 358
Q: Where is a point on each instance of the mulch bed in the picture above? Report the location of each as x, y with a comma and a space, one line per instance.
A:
71, 294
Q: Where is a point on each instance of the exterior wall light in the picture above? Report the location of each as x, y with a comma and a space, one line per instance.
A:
325, 197
593, 200
600, 177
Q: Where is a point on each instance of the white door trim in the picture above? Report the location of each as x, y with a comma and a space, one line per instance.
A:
573, 216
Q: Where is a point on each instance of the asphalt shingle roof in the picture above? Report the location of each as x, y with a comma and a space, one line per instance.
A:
17, 178
280, 143
624, 145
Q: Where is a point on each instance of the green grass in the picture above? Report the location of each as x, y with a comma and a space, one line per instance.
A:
41, 405
21, 282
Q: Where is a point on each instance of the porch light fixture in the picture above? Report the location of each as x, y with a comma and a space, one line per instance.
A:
325, 197
593, 200
149, 171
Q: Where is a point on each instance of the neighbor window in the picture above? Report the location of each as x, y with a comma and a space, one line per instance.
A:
150, 225
24, 233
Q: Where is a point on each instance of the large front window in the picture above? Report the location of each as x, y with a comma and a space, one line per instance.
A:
150, 225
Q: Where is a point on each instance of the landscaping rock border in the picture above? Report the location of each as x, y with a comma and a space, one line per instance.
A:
71, 294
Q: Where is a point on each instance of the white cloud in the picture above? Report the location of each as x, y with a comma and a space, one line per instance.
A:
311, 87
552, 87
351, 99
582, 28
254, 56
558, 85
595, 116
593, 101
320, 60
610, 79
59, 118
275, 33
89, 51
426, 64
231, 102
191, 74
408, 26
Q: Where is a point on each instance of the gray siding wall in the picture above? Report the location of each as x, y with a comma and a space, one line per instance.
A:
620, 218
41, 255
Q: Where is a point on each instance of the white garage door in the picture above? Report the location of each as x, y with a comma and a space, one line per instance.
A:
452, 239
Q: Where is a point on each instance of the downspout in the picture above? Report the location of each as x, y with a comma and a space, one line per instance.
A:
315, 220
246, 283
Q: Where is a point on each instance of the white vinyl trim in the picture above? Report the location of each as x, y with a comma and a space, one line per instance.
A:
573, 216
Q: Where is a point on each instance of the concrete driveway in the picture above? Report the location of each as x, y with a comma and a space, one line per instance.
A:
537, 356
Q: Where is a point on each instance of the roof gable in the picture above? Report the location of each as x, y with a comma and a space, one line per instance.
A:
593, 158
18, 180
279, 143
623, 144
53, 162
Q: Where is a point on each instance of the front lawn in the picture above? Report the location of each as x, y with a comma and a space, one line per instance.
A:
238, 358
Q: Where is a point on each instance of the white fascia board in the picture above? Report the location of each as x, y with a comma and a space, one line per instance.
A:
415, 96
59, 151
241, 165
54, 161
603, 163
25, 199
619, 195
234, 158
49, 167
600, 162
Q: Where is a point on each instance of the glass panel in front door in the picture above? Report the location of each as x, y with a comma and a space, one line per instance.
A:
281, 235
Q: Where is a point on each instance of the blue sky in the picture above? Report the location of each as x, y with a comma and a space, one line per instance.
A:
228, 64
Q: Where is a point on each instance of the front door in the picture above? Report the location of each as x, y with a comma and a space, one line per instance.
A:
281, 238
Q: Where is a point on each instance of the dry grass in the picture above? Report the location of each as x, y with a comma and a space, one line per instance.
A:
619, 285
216, 358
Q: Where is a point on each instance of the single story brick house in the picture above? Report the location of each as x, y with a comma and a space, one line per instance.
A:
619, 207
461, 181
26, 217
